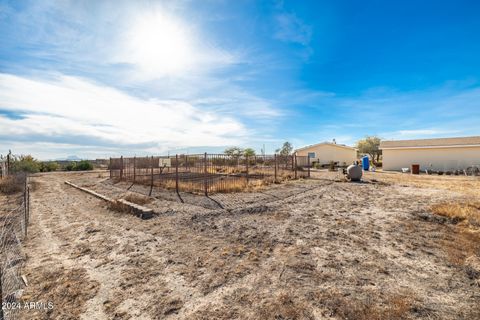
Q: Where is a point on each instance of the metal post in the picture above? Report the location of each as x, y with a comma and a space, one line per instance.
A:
121, 167
25, 208
151, 171
205, 174
275, 167
246, 158
110, 166
186, 163
176, 172
134, 168
308, 166
295, 166
28, 203
1, 295
8, 165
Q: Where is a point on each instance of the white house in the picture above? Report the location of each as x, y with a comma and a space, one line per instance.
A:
444, 154
326, 152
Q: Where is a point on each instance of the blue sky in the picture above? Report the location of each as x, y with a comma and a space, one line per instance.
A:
103, 78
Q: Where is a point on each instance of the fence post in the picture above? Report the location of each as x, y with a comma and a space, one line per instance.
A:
246, 158
176, 172
110, 166
25, 208
121, 167
275, 168
295, 166
134, 168
205, 174
1, 295
8, 165
28, 203
151, 172
308, 166
25, 217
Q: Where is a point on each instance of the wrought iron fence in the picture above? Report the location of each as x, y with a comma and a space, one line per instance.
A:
209, 173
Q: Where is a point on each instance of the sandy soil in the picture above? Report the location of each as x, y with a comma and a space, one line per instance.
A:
312, 249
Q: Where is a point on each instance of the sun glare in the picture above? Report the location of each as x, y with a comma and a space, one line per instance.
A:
160, 44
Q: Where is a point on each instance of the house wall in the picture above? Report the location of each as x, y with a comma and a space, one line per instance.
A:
444, 159
325, 153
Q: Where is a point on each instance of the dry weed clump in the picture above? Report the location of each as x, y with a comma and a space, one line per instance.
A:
116, 205
137, 198
69, 288
393, 307
10, 185
468, 211
285, 306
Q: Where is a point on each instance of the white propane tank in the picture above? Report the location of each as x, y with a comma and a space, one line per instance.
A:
354, 172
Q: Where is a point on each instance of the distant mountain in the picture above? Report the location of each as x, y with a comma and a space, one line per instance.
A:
69, 158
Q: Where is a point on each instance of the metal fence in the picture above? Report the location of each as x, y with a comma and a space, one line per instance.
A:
4, 166
209, 173
14, 218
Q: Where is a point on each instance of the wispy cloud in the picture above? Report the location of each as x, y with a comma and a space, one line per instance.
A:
419, 133
72, 107
292, 29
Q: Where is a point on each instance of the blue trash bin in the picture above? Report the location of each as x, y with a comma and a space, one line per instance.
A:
365, 163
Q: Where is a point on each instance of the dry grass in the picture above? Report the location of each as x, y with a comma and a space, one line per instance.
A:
463, 249
460, 184
119, 207
467, 212
11, 185
284, 306
393, 307
138, 198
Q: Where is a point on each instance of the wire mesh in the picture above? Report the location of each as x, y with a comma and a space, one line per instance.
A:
14, 219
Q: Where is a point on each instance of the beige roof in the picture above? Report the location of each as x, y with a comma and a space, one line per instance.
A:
440, 142
325, 143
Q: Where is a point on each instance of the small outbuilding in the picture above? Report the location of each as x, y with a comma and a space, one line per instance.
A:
327, 152
445, 154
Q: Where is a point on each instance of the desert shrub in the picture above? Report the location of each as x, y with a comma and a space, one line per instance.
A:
79, 166
71, 166
48, 166
84, 165
24, 163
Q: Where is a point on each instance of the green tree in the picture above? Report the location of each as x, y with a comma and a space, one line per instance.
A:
286, 149
370, 145
249, 152
234, 151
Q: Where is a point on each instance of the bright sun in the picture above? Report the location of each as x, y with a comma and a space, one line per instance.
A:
160, 44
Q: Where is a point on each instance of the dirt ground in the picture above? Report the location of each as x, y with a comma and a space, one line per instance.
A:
310, 249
